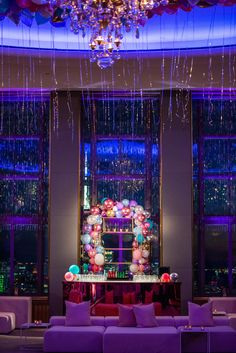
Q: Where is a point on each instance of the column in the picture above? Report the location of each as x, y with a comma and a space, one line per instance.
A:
176, 186
64, 192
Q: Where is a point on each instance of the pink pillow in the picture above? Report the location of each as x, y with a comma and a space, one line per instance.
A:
132, 298
148, 297
145, 315
109, 297
126, 298
77, 314
200, 315
126, 316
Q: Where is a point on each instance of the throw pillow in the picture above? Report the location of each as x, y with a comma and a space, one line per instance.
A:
132, 296
77, 314
126, 298
126, 316
148, 297
109, 297
200, 315
145, 315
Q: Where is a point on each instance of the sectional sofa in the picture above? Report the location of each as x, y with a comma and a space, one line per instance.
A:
105, 336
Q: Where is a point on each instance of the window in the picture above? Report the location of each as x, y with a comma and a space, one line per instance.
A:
214, 185
120, 156
24, 194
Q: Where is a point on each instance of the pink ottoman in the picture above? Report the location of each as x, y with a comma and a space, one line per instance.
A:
7, 322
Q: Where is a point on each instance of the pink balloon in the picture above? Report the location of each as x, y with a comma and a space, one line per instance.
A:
119, 205
92, 261
141, 268
137, 254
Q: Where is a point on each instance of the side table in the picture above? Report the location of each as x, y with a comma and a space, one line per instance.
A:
188, 330
24, 335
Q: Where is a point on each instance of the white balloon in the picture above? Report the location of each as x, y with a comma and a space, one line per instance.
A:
99, 259
133, 268
145, 253
91, 219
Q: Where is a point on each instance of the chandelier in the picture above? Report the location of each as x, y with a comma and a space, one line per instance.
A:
106, 21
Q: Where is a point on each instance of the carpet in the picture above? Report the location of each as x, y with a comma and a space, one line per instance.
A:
13, 343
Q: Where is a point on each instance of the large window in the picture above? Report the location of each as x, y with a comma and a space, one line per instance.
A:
214, 183
120, 154
24, 194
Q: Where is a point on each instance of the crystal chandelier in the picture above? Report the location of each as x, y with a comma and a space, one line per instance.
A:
106, 20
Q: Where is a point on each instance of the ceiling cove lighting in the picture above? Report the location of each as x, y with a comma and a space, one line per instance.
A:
105, 21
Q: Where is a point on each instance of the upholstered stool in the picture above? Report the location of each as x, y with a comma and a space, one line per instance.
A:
7, 322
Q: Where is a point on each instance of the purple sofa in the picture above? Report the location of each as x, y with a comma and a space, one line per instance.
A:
161, 339
105, 336
81, 339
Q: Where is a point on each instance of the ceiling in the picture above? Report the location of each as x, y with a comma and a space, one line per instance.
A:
202, 27
196, 50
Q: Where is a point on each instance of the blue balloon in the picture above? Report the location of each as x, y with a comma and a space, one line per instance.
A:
74, 269
27, 17
4, 6
40, 20
150, 223
103, 200
140, 238
125, 202
86, 239
100, 249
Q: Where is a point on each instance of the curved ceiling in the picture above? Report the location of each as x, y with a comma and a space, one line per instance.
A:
208, 27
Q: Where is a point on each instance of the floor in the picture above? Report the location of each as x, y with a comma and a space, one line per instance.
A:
13, 343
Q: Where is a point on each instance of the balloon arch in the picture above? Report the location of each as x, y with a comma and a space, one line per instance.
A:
93, 228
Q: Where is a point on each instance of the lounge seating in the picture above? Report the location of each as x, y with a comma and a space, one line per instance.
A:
226, 304
105, 336
21, 307
84, 339
163, 338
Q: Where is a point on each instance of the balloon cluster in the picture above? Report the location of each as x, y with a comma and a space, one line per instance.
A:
173, 277
92, 230
72, 274
42, 11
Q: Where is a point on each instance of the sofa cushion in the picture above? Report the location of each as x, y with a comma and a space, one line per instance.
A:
109, 297
200, 315
126, 316
145, 315
139, 340
77, 314
7, 322
148, 297
129, 298
81, 339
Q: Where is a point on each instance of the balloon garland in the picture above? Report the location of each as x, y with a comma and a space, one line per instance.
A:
92, 231
26, 11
